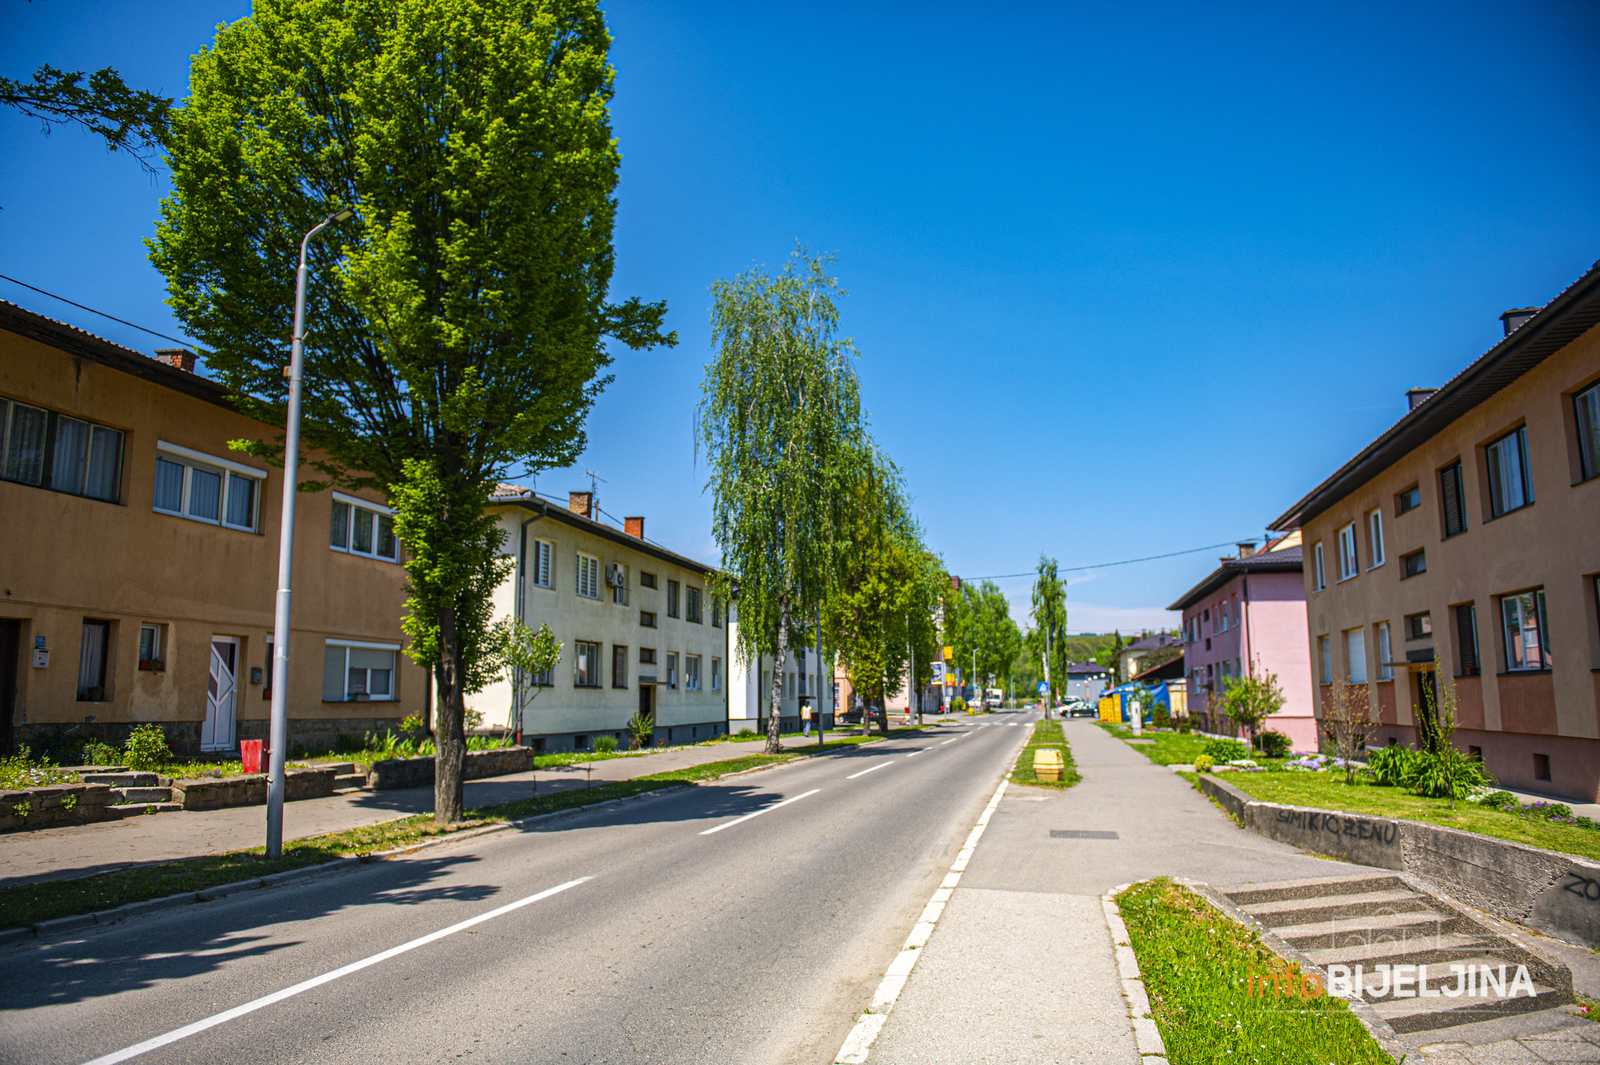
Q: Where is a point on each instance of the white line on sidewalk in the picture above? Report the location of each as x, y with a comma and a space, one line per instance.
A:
758, 813
864, 772
317, 981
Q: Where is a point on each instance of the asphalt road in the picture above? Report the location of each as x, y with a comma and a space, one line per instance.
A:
745, 921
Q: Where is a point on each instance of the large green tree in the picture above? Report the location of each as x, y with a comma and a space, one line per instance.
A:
978, 619
780, 420
1050, 622
458, 325
127, 119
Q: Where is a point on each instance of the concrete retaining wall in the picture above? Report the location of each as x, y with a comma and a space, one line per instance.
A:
217, 793
415, 772
53, 805
1556, 893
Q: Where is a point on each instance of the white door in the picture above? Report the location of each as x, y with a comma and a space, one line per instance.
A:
217, 732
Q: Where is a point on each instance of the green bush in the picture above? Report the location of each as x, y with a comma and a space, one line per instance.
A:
1273, 744
97, 753
1393, 766
958, 705
146, 749
639, 730
1500, 800
1203, 763
1226, 750
1557, 809
605, 744
1449, 774
21, 770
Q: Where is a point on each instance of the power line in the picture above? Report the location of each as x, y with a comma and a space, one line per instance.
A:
1108, 565
102, 314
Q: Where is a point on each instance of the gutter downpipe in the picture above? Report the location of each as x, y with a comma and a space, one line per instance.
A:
522, 571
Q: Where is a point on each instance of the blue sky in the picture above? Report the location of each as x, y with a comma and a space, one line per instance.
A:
1124, 280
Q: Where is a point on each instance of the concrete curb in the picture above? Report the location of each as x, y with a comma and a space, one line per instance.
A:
1146, 1036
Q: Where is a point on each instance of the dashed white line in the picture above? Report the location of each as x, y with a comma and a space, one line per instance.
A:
953, 739
317, 981
758, 813
920, 750
864, 772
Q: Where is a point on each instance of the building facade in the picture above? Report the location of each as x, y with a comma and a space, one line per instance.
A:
640, 630
139, 572
1086, 680
1462, 547
1250, 609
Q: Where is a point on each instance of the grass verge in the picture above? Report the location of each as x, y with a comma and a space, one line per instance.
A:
1196, 964
1046, 735
29, 904
1328, 791
1169, 748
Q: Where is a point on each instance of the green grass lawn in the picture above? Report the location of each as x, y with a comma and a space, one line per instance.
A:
1196, 964
1328, 791
1169, 748
30, 904
1046, 734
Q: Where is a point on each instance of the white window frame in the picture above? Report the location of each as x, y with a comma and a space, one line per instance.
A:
379, 512
1509, 454
672, 670
588, 583
1375, 537
344, 673
1319, 577
543, 565
691, 673
1355, 653
1385, 652
1349, 554
226, 470
1325, 653
716, 674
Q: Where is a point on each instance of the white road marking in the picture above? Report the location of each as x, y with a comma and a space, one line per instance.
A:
922, 750
758, 813
953, 739
864, 772
317, 981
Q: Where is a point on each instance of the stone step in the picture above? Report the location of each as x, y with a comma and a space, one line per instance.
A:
124, 796
1338, 912
1257, 909
339, 768
137, 809
123, 780
1319, 935
1317, 887
1452, 946
1408, 1015
80, 769
349, 780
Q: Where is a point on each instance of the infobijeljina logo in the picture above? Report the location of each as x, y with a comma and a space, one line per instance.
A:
1398, 981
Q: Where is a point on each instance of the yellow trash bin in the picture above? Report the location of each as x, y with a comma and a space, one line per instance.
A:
1048, 765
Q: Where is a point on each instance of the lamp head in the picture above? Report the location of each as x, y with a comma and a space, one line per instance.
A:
341, 215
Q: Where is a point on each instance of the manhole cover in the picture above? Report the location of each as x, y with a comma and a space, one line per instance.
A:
1078, 833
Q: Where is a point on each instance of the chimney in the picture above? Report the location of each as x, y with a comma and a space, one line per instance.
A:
1514, 318
1247, 549
634, 526
177, 358
1416, 397
581, 503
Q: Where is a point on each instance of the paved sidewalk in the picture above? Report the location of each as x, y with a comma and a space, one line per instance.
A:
1022, 945
82, 850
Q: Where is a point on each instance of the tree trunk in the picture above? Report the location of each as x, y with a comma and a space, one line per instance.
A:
774, 720
450, 744
883, 715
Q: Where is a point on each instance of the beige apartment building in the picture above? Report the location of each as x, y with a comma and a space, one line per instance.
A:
140, 555
1463, 547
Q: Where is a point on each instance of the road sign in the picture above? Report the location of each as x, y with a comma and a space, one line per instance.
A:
1044, 689
949, 653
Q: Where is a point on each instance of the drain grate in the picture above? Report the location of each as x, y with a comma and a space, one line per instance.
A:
1077, 833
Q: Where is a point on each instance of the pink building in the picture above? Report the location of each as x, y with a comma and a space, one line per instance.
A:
1251, 609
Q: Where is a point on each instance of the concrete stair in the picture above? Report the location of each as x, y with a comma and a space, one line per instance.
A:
139, 809
133, 794
347, 776
1379, 921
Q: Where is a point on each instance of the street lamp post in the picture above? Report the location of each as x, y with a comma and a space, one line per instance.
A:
278, 730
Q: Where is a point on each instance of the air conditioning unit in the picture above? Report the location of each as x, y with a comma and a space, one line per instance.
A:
616, 576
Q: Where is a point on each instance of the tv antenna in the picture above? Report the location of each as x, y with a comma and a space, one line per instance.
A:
594, 493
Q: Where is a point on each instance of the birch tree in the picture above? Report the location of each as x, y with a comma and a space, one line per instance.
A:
1050, 621
781, 424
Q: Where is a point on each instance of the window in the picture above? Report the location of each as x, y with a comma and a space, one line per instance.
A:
647, 656
545, 678
1374, 539
1527, 632
588, 576
1408, 499
672, 671
539, 569
1224, 627
85, 459
1586, 405
92, 661
150, 645
1319, 579
1385, 652
1325, 655
1455, 515
617, 577
586, 663
203, 488
788, 685
691, 605
1467, 640
1348, 565
672, 599
619, 666
358, 527
647, 619
716, 674
353, 671
1541, 767
647, 580
266, 687
716, 612
1413, 564
691, 673
1355, 642
1509, 484
1419, 626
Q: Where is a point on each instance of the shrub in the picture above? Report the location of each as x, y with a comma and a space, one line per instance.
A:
1225, 750
747, 732
1393, 766
639, 730
1500, 800
1552, 809
958, 705
1273, 744
146, 749
605, 744
411, 723
1204, 763
21, 770
345, 743
1449, 774
97, 753
1185, 726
